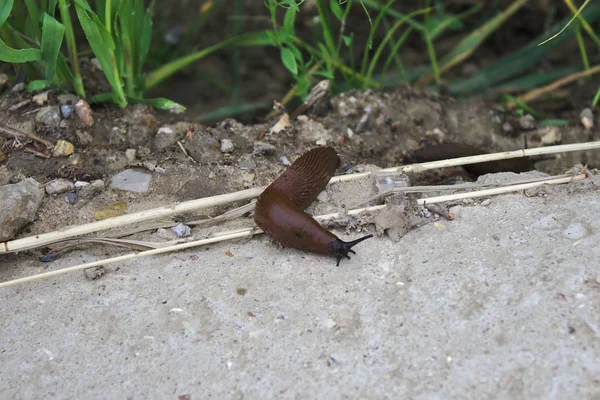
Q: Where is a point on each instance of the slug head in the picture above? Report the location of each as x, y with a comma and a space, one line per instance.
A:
340, 249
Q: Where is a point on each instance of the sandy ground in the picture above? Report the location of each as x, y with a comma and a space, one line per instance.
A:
503, 302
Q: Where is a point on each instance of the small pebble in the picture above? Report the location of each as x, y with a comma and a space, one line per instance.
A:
94, 273
587, 118
114, 210
46, 258
182, 230
48, 116
80, 184
66, 110
284, 160
84, 112
551, 135
507, 127
63, 149
263, 148
59, 186
486, 202
3, 79
131, 155
41, 98
527, 121
226, 146
248, 179
19, 87
71, 197
349, 133
321, 142
131, 180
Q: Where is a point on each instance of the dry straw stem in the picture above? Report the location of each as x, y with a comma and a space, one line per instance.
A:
218, 237
539, 92
500, 190
194, 205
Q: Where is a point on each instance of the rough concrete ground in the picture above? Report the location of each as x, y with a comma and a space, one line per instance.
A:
503, 302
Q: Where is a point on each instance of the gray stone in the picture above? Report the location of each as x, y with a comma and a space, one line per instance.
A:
131, 180
165, 137
48, 116
84, 137
66, 110
203, 147
138, 135
181, 230
67, 98
20, 203
59, 186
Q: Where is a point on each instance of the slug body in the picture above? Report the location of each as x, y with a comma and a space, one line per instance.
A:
280, 208
455, 150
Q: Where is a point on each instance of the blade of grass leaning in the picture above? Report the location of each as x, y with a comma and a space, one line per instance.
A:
103, 47
53, 33
11, 55
388, 36
368, 44
471, 42
5, 9
376, 5
65, 17
530, 81
516, 62
583, 22
567, 24
35, 16
581, 45
51, 7
259, 38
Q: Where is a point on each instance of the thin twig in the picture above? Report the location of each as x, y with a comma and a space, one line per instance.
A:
16, 133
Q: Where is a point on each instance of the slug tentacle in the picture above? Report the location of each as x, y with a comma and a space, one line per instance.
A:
341, 249
279, 209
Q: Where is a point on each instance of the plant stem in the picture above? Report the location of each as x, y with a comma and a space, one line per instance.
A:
72, 46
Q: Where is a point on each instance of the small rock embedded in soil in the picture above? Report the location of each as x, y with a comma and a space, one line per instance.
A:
59, 186
94, 273
576, 231
202, 147
63, 149
587, 118
131, 155
264, 149
84, 112
48, 116
20, 202
41, 98
66, 110
84, 137
527, 122
165, 137
132, 181
227, 146
182, 230
19, 87
114, 210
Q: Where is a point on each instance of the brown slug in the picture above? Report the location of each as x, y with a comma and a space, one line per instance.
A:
280, 208
455, 150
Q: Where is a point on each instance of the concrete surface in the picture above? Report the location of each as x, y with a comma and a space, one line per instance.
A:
503, 302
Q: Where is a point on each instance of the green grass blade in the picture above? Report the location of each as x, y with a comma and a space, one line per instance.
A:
260, 38
160, 103
103, 46
581, 45
34, 15
65, 16
10, 55
515, 63
5, 8
53, 33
